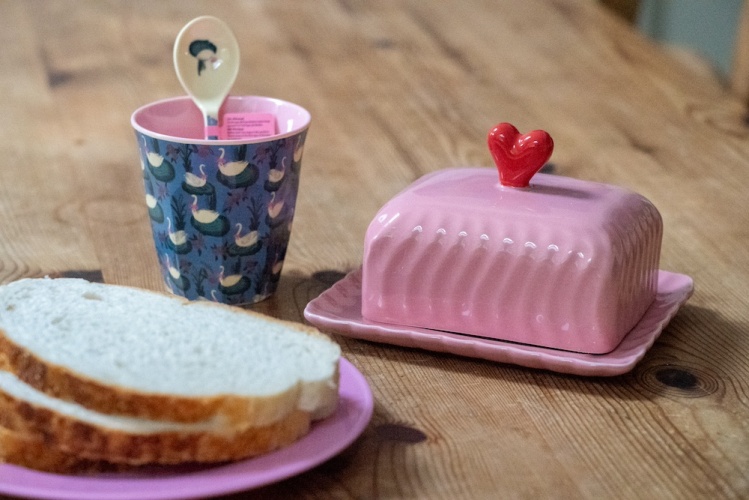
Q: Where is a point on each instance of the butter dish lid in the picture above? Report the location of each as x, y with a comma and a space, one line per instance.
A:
553, 261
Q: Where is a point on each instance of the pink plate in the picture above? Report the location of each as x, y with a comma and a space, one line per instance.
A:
326, 439
338, 309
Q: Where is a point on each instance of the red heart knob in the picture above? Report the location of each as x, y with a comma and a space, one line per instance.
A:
518, 156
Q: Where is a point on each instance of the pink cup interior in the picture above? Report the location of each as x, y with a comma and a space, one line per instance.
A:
179, 119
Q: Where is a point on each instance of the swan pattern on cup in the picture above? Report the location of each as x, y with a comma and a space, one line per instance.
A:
221, 215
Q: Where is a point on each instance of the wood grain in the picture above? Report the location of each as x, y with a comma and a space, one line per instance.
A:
398, 89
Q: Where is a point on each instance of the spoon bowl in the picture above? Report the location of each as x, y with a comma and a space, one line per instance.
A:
206, 60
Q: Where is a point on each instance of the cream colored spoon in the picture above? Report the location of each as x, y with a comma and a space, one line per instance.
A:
206, 59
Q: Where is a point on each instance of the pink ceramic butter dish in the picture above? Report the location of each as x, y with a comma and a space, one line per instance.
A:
559, 263
565, 264
533, 259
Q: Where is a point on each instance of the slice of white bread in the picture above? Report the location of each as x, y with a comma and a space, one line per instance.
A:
85, 434
131, 352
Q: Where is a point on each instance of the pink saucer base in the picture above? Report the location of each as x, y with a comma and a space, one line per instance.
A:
338, 309
326, 439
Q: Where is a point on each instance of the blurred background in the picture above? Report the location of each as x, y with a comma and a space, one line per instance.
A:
711, 35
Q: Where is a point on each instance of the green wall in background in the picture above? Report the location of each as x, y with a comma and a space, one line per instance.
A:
708, 27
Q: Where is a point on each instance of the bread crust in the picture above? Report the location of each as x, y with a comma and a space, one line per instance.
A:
31, 452
82, 440
228, 409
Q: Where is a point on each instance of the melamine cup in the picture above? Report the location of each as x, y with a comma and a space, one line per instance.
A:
220, 210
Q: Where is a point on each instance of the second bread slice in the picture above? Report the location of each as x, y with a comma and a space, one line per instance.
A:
79, 434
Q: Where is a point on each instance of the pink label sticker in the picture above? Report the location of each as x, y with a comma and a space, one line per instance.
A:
248, 125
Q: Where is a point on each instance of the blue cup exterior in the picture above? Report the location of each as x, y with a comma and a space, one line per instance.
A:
221, 215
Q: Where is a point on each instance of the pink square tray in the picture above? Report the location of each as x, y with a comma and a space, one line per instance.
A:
338, 309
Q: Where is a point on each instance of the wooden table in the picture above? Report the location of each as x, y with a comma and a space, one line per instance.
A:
396, 90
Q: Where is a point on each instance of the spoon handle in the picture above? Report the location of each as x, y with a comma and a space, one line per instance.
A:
211, 126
